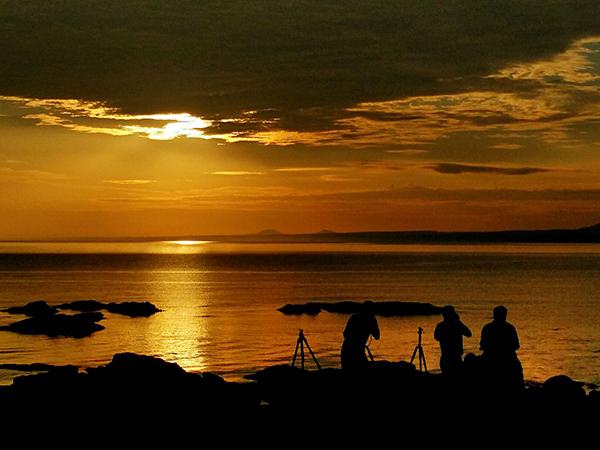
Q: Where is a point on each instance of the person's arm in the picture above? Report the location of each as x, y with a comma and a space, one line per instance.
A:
347, 333
465, 330
483, 341
436, 333
516, 344
375, 332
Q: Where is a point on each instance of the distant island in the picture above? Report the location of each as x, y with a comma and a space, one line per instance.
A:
586, 235
580, 235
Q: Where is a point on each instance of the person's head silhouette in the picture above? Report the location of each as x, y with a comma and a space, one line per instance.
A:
448, 313
500, 313
367, 307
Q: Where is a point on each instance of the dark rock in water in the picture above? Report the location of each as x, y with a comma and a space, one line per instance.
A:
293, 310
34, 367
45, 320
340, 307
78, 326
83, 305
133, 309
387, 309
38, 308
95, 316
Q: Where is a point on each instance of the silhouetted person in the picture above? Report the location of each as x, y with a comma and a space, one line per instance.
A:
449, 333
356, 334
500, 342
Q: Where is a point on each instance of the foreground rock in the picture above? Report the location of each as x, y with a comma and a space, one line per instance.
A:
392, 402
386, 309
134, 396
143, 399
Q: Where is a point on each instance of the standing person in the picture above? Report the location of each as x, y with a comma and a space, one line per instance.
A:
499, 343
449, 333
356, 334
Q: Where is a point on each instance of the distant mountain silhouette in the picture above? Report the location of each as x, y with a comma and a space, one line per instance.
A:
593, 228
584, 235
269, 232
581, 235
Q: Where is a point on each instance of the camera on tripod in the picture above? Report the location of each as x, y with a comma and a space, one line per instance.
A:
419, 350
300, 343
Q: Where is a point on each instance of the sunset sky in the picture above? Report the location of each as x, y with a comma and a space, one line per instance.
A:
196, 117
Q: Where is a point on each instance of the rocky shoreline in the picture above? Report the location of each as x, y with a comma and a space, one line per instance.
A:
145, 399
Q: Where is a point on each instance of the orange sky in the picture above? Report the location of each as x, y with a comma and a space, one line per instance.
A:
197, 118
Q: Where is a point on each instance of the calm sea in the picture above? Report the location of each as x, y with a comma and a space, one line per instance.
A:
219, 301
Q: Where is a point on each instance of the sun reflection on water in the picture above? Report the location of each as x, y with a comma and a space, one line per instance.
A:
183, 324
184, 246
189, 242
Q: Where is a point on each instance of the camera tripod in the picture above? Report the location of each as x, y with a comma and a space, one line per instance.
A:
300, 343
369, 353
368, 350
419, 349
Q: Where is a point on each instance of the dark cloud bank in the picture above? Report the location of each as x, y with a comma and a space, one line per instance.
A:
298, 63
455, 169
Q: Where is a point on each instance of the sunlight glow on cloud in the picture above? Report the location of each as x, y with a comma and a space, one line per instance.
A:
572, 66
507, 146
566, 91
183, 125
302, 169
70, 113
129, 182
237, 173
